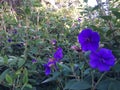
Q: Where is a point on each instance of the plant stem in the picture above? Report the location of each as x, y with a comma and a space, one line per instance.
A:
92, 74
26, 42
98, 80
60, 84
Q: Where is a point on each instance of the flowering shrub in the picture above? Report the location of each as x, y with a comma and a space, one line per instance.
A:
39, 48
100, 58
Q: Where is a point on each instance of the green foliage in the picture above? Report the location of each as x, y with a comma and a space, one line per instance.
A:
26, 33
8, 79
54, 77
77, 85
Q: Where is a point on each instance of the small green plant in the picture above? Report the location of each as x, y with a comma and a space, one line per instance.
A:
68, 48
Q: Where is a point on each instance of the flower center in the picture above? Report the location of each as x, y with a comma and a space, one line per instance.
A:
102, 60
88, 40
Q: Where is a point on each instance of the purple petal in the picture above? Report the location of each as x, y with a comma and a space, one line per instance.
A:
93, 63
109, 59
109, 62
94, 46
53, 41
84, 34
94, 60
103, 67
47, 69
102, 59
58, 54
89, 40
85, 47
34, 60
79, 19
95, 37
9, 40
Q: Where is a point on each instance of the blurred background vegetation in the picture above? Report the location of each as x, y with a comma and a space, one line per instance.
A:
27, 28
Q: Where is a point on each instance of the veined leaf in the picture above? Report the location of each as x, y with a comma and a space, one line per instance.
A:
106, 17
2, 76
54, 77
8, 79
77, 85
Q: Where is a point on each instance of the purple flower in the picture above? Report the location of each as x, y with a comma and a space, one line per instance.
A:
52, 61
14, 31
53, 42
89, 40
102, 59
47, 69
79, 19
58, 54
9, 40
34, 60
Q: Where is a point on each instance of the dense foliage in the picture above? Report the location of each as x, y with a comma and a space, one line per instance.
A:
69, 46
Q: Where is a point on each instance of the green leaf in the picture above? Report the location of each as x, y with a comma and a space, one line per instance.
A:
8, 79
21, 62
49, 79
18, 72
114, 85
81, 66
25, 79
109, 32
27, 10
25, 71
77, 85
116, 52
96, 7
12, 60
87, 71
54, 77
5, 59
2, 76
28, 85
65, 67
117, 14
94, 27
116, 68
36, 3
1, 61
117, 37
103, 85
106, 17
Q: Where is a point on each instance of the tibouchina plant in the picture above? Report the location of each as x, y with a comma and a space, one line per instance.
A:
100, 58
